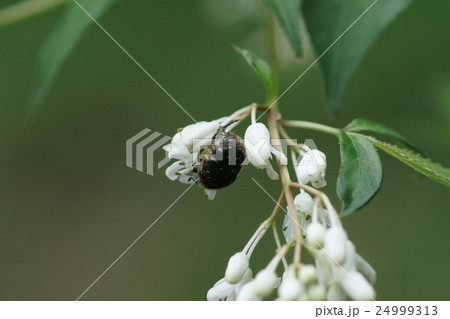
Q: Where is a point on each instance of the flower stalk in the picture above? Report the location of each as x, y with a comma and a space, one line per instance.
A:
312, 126
272, 119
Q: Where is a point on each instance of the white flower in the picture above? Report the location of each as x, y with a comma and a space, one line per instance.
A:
288, 224
317, 293
290, 287
193, 135
223, 290
304, 203
312, 168
335, 244
187, 141
185, 146
342, 270
366, 269
259, 149
307, 274
357, 287
237, 266
220, 290
248, 293
265, 282
315, 234
335, 293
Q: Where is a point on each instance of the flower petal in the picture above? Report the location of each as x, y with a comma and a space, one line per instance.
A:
220, 290
271, 172
282, 158
172, 172
210, 193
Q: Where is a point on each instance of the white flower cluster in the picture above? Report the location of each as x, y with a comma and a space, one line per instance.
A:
338, 272
239, 285
188, 142
342, 273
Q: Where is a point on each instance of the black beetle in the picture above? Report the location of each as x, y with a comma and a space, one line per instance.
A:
220, 163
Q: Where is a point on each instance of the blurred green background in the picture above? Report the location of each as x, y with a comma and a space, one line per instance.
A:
69, 206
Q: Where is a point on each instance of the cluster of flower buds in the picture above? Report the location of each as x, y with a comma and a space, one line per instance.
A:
238, 282
344, 272
301, 284
341, 272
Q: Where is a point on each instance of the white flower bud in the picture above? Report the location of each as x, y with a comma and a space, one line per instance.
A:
307, 274
248, 293
317, 293
335, 244
257, 144
288, 229
315, 234
290, 288
237, 266
322, 267
350, 256
247, 277
357, 287
304, 203
259, 149
335, 293
312, 168
366, 269
265, 282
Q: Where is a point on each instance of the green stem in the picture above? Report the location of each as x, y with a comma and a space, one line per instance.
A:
312, 126
26, 9
272, 56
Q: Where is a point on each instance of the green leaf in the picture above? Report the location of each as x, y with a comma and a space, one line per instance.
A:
60, 43
428, 168
262, 70
328, 20
362, 125
360, 175
287, 13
